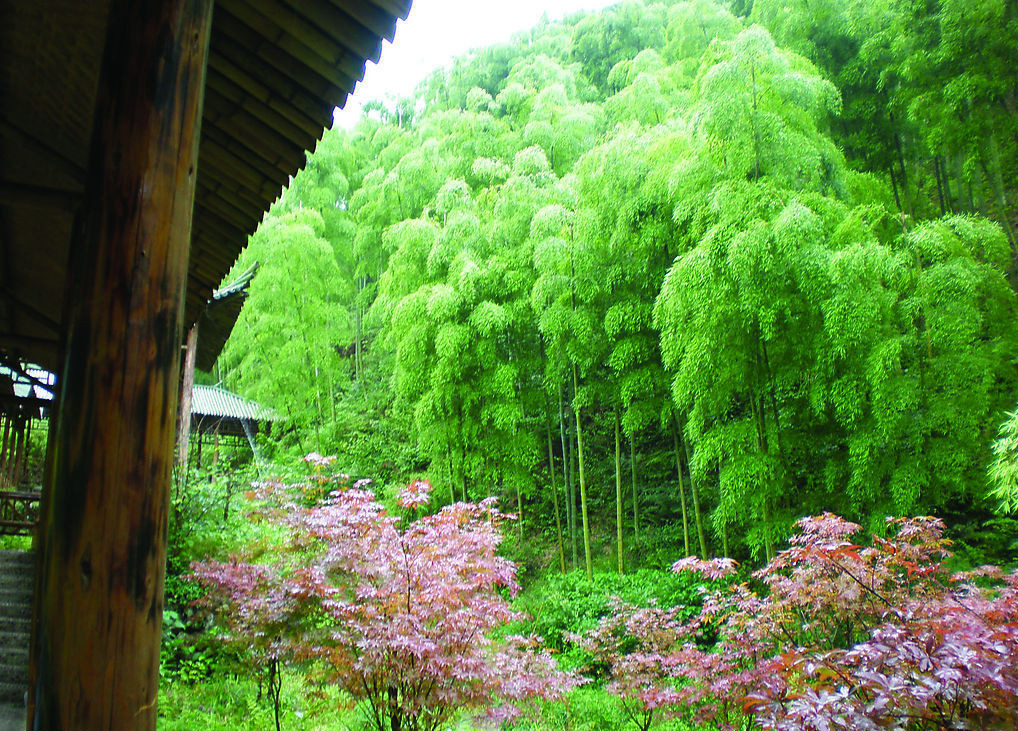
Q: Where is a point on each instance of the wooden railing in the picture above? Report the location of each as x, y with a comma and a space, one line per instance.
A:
19, 512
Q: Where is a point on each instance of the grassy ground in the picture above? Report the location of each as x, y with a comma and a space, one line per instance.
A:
232, 703
229, 702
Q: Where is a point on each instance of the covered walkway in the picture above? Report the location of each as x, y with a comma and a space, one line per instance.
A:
140, 144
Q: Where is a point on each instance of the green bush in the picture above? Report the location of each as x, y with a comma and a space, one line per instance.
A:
570, 603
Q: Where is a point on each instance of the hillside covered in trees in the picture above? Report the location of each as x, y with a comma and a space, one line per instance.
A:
665, 277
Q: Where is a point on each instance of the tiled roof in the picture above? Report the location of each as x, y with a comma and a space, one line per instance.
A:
218, 402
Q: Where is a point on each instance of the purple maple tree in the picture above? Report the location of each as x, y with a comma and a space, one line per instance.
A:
843, 637
400, 613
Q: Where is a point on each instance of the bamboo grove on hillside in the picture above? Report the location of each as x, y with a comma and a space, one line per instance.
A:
717, 264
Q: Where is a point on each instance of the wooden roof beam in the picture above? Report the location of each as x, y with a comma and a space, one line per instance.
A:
326, 88
301, 40
253, 105
369, 15
399, 8
40, 198
233, 82
353, 32
228, 210
212, 223
275, 171
227, 187
224, 165
330, 39
19, 304
220, 112
26, 139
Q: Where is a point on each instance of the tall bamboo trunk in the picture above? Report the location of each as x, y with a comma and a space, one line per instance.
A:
587, 559
358, 357
636, 500
757, 404
554, 498
618, 491
452, 474
696, 503
682, 489
519, 510
567, 478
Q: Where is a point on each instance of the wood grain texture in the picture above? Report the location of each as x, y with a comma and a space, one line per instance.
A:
96, 646
186, 387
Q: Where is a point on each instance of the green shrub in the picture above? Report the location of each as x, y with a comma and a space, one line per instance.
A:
570, 603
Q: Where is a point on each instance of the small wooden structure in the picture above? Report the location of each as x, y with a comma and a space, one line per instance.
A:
25, 398
140, 144
215, 410
215, 325
216, 413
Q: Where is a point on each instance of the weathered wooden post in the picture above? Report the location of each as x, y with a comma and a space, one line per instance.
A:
96, 645
186, 389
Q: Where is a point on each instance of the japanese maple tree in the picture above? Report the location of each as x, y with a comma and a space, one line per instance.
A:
843, 637
401, 612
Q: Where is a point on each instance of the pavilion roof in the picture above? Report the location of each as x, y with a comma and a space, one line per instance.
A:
219, 316
217, 402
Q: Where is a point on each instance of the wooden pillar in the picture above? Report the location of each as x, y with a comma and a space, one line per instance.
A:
96, 646
186, 388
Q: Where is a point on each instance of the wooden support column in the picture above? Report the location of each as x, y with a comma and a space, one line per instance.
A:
186, 389
96, 646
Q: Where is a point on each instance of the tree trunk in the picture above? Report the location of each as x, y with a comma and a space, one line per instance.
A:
682, 489
760, 424
187, 386
636, 500
618, 491
567, 478
452, 475
96, 648
940, 185
696, 503
358, 354
587, 559
276, 688
519, 509
554, 498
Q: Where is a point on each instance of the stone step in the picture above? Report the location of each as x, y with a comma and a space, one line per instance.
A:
14, 645
13, 693
17, 576
16, 623
17, 560
15, 595
17, 570
22, 583
13, 674
16, 607
18, 565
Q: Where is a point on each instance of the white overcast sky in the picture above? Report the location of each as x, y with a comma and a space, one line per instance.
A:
437, 31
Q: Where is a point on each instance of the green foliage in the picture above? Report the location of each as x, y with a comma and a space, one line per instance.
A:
205, 520
570, 603
783, 228
1004, 468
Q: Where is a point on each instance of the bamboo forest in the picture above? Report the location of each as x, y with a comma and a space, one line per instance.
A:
655, 369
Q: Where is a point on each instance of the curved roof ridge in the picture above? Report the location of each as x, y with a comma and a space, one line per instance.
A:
217, 401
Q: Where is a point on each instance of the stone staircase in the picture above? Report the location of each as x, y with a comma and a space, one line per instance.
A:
17, 572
